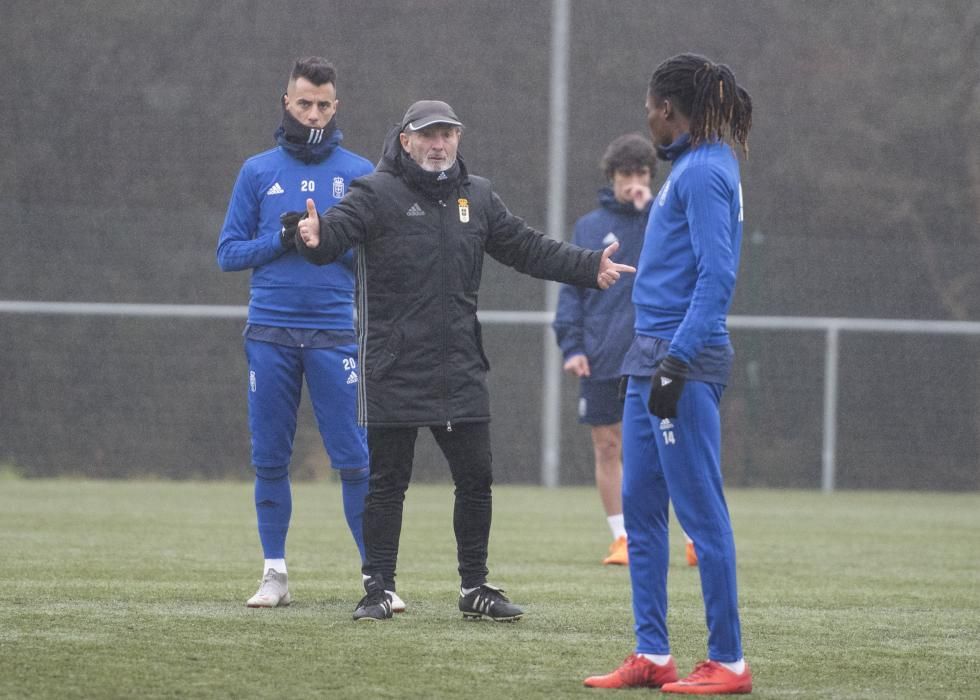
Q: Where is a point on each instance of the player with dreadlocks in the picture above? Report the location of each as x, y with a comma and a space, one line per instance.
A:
678, 366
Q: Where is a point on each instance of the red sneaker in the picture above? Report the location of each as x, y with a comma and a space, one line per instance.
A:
636, 672
711, 678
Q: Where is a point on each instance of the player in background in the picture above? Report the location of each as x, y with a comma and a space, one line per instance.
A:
594, 329
300, 316
678, 366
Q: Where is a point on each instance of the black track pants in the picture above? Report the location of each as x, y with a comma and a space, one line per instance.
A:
467, 449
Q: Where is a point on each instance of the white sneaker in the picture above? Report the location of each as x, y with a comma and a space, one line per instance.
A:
397, 604
273, 591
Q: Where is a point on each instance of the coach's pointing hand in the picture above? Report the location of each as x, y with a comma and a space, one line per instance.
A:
309, 228
609, 271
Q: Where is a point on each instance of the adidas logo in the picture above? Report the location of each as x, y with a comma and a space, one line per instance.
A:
352, 378
275, 189
665, 424
610, 239
415, 210
442, 176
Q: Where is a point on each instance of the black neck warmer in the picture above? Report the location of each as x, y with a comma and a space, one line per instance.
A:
439, 185
307, 144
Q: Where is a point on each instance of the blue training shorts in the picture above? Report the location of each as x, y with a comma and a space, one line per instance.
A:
599, 402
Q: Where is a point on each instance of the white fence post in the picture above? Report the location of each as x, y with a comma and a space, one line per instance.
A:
830, 391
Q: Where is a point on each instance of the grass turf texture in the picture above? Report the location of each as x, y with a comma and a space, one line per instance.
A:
137, 589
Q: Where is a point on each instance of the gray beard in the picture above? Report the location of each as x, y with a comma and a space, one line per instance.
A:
443, 167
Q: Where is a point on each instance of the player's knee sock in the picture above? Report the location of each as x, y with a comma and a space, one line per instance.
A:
354, 485
273, 508
616, 525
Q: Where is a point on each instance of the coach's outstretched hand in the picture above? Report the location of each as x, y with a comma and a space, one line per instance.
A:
609, 271
309, 228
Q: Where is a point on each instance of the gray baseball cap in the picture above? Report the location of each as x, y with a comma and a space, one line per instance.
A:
428, 112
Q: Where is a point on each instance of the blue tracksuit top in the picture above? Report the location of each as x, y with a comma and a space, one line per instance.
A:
593, 322
286, 290
686, 276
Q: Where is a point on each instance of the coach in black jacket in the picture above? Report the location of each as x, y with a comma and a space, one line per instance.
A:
420, 225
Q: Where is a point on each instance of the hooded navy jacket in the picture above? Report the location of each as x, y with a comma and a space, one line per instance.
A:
419, 262
599, 324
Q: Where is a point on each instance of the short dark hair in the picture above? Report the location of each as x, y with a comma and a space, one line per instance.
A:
315, 69
629, 153
707, 94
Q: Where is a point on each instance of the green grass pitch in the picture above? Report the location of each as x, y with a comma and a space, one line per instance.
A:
136, 590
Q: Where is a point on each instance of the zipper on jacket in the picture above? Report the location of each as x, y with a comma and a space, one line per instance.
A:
444, 245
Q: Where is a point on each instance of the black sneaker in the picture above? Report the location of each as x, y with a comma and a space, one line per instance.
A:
376, 605
488, 601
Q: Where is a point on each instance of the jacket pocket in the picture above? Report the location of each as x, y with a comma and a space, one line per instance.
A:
479, 343
378, 366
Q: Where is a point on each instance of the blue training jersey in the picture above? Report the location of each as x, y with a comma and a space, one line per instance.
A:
286, 290
685, 279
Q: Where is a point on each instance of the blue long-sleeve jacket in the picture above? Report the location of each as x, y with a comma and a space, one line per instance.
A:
286, 290
592, 322
685, 279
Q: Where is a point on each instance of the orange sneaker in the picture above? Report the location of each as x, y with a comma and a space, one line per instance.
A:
618, 553
692, 556
711, 678
636, 672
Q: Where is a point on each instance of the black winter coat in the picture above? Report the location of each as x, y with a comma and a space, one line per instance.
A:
419, 260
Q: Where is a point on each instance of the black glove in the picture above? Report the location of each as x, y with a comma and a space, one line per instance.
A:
289, 221
666, 387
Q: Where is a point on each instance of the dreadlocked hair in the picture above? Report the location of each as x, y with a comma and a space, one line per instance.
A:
718, 108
